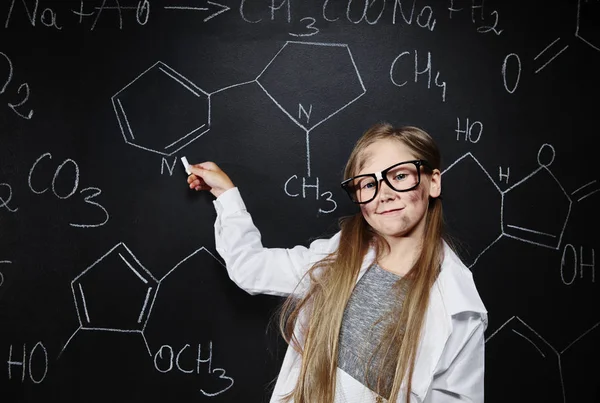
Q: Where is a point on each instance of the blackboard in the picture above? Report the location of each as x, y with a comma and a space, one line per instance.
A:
110, 286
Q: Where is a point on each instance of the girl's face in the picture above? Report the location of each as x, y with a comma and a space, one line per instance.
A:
397, 214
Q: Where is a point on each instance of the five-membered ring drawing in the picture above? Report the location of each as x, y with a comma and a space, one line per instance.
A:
520, 212
116, 293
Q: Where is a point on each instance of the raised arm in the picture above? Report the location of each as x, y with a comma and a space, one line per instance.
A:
254, 268
250, 265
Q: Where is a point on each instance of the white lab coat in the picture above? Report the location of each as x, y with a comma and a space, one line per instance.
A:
449, 365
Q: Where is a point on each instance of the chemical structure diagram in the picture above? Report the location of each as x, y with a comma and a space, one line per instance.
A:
545, 358
306, 98
117, 293
503, 209
586, 22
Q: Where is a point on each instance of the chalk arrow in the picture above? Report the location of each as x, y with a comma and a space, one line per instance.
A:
221, 9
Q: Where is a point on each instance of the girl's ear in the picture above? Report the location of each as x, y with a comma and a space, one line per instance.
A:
435, 184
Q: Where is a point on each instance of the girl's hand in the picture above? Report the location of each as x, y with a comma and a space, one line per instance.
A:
208, 176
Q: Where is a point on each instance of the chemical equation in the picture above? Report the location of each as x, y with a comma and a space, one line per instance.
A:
369, 12
22, 93
89, 194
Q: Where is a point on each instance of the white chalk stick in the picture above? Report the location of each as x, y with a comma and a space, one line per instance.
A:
186, 164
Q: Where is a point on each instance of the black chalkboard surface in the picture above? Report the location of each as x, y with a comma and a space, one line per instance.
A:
110, 285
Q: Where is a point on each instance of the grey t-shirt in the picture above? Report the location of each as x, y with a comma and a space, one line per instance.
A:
365, 319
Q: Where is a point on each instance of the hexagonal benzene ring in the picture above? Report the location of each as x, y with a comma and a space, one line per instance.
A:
472, 207
311, 82
162, 111
588, 17
520, 357
115, 293
536, 210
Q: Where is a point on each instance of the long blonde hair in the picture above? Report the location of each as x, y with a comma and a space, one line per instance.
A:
333, 278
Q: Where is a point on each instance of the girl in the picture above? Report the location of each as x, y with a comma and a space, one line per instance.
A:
382, 311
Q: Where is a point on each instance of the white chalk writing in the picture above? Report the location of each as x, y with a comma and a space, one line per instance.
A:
23, 90
165, 359
577, 264
26, 365
95, 192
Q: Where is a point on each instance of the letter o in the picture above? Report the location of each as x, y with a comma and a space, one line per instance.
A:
75, 184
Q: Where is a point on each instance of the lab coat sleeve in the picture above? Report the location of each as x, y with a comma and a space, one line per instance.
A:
460, 374
254, 268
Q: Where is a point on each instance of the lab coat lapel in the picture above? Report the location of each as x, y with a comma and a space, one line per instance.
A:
436, 331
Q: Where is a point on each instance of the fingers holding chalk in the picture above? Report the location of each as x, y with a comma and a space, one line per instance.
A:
207, 176
195, 182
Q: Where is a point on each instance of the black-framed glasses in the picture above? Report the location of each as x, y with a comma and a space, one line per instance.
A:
401, 177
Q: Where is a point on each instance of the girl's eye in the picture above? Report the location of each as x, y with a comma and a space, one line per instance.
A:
399, 177
368, 185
